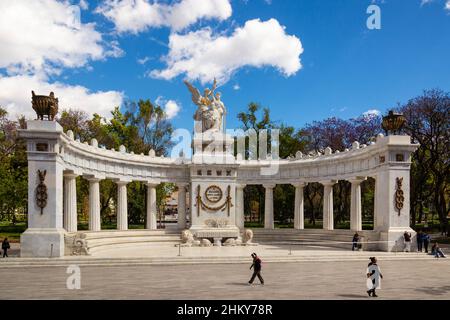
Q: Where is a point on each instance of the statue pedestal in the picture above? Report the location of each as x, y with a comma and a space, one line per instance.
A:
213, 147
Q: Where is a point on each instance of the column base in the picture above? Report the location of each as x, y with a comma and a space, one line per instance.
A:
37, 243
395, 241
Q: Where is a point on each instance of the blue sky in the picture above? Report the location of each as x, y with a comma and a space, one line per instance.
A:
346, 69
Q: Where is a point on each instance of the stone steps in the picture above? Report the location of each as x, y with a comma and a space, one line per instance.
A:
92, 261
313, 237
104, 240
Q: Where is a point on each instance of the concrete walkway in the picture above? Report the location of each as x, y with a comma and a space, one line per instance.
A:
422, 279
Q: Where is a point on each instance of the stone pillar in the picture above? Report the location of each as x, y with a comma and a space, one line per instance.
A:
182, 205
268, 207
45, 234
94, 205
355, 205
328, 216
70, 202
299, 217
151, 207
388, 220
240, 218
122, 206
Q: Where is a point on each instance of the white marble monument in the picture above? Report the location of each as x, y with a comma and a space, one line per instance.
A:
213, 181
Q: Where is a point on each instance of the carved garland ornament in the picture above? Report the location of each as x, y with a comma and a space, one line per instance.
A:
41, 191
226, 205
399, 195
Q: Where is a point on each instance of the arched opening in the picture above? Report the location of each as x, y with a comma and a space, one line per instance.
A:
283, 205
82, 203
368, 203
254, 206
313, 198
108, 204
136, 205
341, 204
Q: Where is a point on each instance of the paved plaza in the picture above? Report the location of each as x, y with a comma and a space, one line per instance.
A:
411, 279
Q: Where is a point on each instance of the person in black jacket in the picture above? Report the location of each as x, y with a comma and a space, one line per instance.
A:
5, 247
256, 269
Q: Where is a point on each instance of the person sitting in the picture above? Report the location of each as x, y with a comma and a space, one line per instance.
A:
436, 251
355, 241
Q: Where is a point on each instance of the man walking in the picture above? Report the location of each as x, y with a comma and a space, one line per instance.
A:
256, 269
5, 247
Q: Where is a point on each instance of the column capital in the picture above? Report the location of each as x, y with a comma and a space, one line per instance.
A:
122, 182
240, 185
182, 184
93, 179
70, 175
328, 183
299, 184
269, 185
152, 183
357, 180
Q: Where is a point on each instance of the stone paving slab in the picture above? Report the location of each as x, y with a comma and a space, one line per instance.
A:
424, 279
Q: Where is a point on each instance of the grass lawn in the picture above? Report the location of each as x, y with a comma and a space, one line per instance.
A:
12, 232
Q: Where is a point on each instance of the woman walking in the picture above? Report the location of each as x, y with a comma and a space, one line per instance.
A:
374, 277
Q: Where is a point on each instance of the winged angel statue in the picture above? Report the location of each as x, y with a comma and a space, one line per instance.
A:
210, 112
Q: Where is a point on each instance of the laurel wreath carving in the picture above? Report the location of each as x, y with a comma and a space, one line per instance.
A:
399, 195
201, 204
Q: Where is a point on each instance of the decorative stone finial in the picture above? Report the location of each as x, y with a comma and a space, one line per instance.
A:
355, 145
298, 155
151, 153
328, 151
94, 143
45, 106
122, 149
393, 123
70, 134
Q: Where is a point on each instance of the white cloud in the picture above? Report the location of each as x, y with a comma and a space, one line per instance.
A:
40, 36
236, 87
15, 96
143, 60
424, 2
138, 15
447, 5
84, 4
202, 55
172, 109
372, 112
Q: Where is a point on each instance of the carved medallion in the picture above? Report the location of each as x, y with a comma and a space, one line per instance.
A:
41, 191
214, 194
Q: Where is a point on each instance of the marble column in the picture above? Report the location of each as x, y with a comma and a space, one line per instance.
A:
151, 207
122, 206
355, 205
182, 206
94, 205
328, 215
299, 217
240, 218
70, 202
268, 207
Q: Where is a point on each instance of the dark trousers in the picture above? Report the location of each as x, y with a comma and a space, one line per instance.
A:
5, 253
256, 273
425, 245
419, 246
